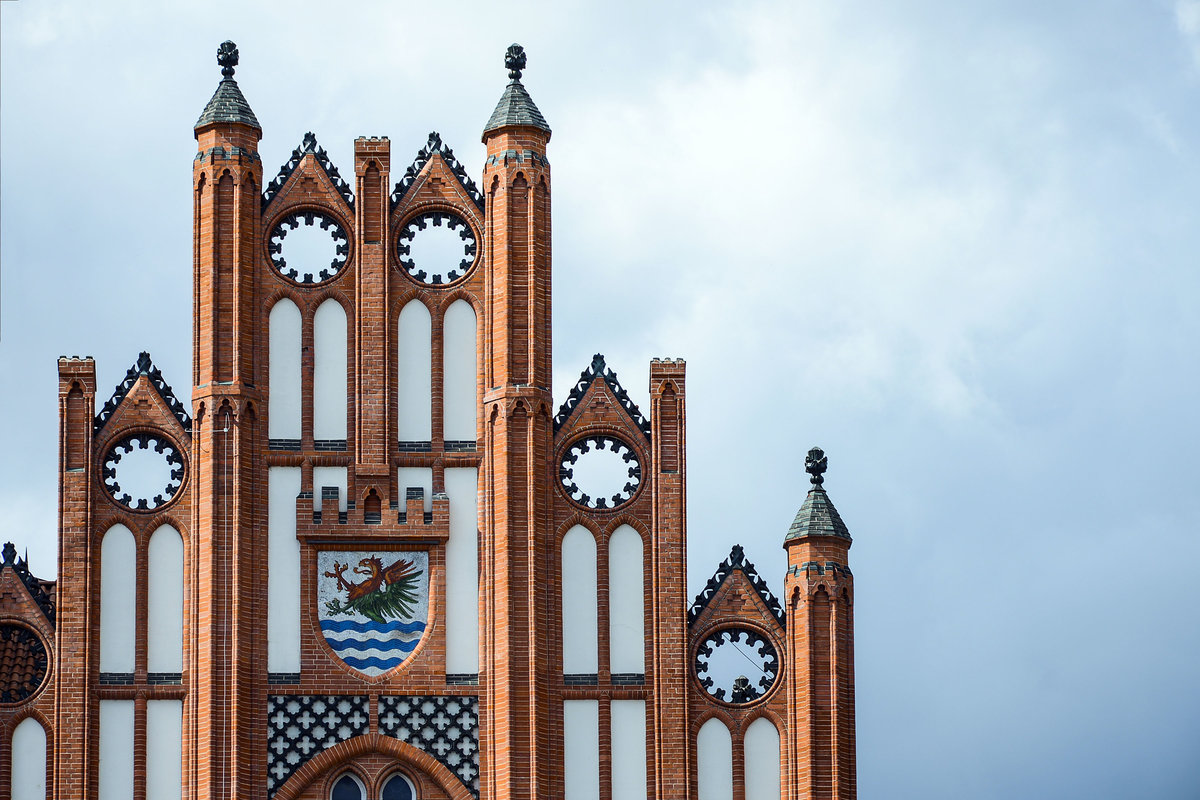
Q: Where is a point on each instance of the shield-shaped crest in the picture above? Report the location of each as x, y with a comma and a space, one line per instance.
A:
373, 606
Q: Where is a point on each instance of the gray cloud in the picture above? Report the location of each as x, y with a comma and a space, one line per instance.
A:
952, 244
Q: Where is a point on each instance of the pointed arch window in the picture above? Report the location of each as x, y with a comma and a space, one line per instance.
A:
347, 787
398, 787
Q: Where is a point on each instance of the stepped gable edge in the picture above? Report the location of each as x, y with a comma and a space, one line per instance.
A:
308, 145
144, 366
41, 591
435, 145
599, 368
736, 561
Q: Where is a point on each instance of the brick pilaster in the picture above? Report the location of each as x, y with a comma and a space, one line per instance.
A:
668, 554
224, 716
518, 474
77, 662
372, 395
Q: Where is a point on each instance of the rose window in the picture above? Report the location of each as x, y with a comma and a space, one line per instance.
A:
143, 471
737, 665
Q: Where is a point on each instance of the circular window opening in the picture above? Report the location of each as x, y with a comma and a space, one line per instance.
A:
737, 665
600, 472
143, 471
308, 247
25, 663
436, 247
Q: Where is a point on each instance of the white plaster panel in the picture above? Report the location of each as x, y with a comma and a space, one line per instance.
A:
714, 761
415, 477
116, 749
581, 749
332, 476
460, 401
164, 601
164, 749
628, 725
284, 361
329, 371
283, 570
28, 780
579, 608
761, 747
462, 571
626, 601
118, 588
414, 364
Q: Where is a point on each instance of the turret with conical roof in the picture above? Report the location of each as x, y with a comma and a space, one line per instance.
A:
519, 443
226, 436
819, 594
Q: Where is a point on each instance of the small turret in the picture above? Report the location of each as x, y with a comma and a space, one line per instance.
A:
819, 594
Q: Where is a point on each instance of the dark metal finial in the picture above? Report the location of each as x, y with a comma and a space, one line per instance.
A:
815, 464
514, 61
227, 57
10, 553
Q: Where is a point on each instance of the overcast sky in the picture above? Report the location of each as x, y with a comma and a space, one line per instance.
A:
954, 244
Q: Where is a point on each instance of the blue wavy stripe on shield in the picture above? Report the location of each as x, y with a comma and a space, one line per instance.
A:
378, 628
340, 646
367, 663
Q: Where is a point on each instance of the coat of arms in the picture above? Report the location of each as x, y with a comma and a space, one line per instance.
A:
373, 606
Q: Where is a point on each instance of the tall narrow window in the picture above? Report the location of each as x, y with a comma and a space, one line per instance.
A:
414, 362
164, 606
581, 749
164, 749
762, 759
460, 402
284, 365
118, 582
462, 572
329, 372
29, 761
714, 761
116, 749
626, 601
579, 610
628, 719
283, 570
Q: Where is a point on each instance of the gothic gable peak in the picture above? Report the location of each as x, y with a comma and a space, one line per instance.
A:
144, 366
435, 146
599, 369
308, 145
40, 591
736, 562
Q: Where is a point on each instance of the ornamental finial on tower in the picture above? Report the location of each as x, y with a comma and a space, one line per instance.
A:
227, 103
815, 464
227, 57
514, 61
516, 107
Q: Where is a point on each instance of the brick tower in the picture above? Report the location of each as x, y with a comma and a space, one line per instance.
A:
375, 560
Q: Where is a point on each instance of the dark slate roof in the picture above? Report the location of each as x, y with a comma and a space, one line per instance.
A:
515, 108
228, 105
817, 517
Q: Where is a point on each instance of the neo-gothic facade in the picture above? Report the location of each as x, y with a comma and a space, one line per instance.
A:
379, 560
